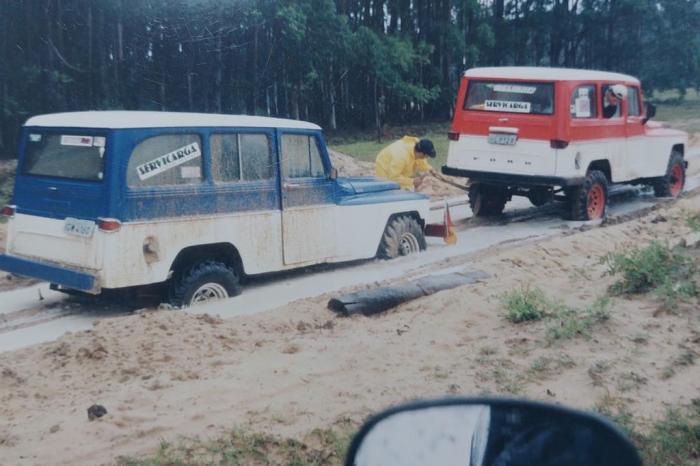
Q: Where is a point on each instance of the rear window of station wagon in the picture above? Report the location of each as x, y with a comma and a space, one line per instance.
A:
71, 156
510, 97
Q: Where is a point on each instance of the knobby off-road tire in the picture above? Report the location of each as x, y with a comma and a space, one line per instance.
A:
672, 183
486, 201
203, 282
403, 236
590, 200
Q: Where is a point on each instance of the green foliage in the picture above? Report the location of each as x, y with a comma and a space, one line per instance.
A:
569, 322
656, 267
693, 220
239, 448
526, 304
674, 440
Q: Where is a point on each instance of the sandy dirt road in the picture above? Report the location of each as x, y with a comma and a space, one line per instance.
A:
35, 314
297, 367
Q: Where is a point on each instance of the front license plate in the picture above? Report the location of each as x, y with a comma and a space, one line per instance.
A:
503, 139
77, 227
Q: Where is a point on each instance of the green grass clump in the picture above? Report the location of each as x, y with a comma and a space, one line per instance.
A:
693, 220
671, 440
569, 322
675, 440
656, 267
238, 448
525, 305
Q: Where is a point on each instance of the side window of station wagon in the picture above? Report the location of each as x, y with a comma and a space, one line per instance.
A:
166, 160
583, 102
241, 157
301, 157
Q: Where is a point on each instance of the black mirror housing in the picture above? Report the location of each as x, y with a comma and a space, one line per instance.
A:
489, 432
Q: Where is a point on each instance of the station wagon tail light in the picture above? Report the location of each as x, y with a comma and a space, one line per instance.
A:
8, 210
453, 136
558, 144
108, 224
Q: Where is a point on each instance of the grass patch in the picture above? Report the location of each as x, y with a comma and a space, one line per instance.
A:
322, 447
672, 440
675, 440
525, 305
693, 220
682, 113
364, 145
656, 267
569, 322
564, 321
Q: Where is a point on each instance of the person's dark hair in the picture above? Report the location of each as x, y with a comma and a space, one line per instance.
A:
426, 146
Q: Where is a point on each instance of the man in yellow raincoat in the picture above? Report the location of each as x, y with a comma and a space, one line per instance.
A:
404, 161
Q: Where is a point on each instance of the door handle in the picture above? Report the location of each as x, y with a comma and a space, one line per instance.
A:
291, 185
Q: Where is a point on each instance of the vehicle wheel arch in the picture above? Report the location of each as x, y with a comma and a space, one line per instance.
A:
225, 253
601, 165
410, 213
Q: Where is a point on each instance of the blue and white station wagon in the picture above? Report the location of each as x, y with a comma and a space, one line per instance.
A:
195, 202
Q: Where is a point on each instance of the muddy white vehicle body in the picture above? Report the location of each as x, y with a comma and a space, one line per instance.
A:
537, 132
109, 200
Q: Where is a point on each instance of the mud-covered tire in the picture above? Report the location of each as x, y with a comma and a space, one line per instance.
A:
402, 236
590, 200
487, 201
202, 282
672, 183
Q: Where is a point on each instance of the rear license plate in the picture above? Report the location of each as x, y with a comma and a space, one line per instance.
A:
503, 139
77, 227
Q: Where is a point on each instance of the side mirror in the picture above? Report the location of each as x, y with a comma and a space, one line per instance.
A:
489, 432
333, 175
651, 112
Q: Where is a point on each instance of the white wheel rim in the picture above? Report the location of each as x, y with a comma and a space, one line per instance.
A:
408, 244
208, 292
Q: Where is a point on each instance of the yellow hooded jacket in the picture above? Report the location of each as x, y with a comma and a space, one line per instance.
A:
397, 162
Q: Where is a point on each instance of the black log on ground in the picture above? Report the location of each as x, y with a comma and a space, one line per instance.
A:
369, 302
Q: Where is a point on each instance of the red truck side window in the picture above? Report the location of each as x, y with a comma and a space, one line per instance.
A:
633, 107
583, 102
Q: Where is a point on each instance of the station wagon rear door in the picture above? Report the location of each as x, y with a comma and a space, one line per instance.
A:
308, 205
61, 190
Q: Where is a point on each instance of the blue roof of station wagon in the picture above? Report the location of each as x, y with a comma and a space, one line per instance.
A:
122, 119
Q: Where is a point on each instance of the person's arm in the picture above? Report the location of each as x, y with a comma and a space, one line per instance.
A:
396, 168
422, 165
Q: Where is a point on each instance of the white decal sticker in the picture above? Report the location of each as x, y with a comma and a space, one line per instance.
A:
35, 137
515, 89
583, 107
191, 172
507, 106
168, 161
99, 141
78, 141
